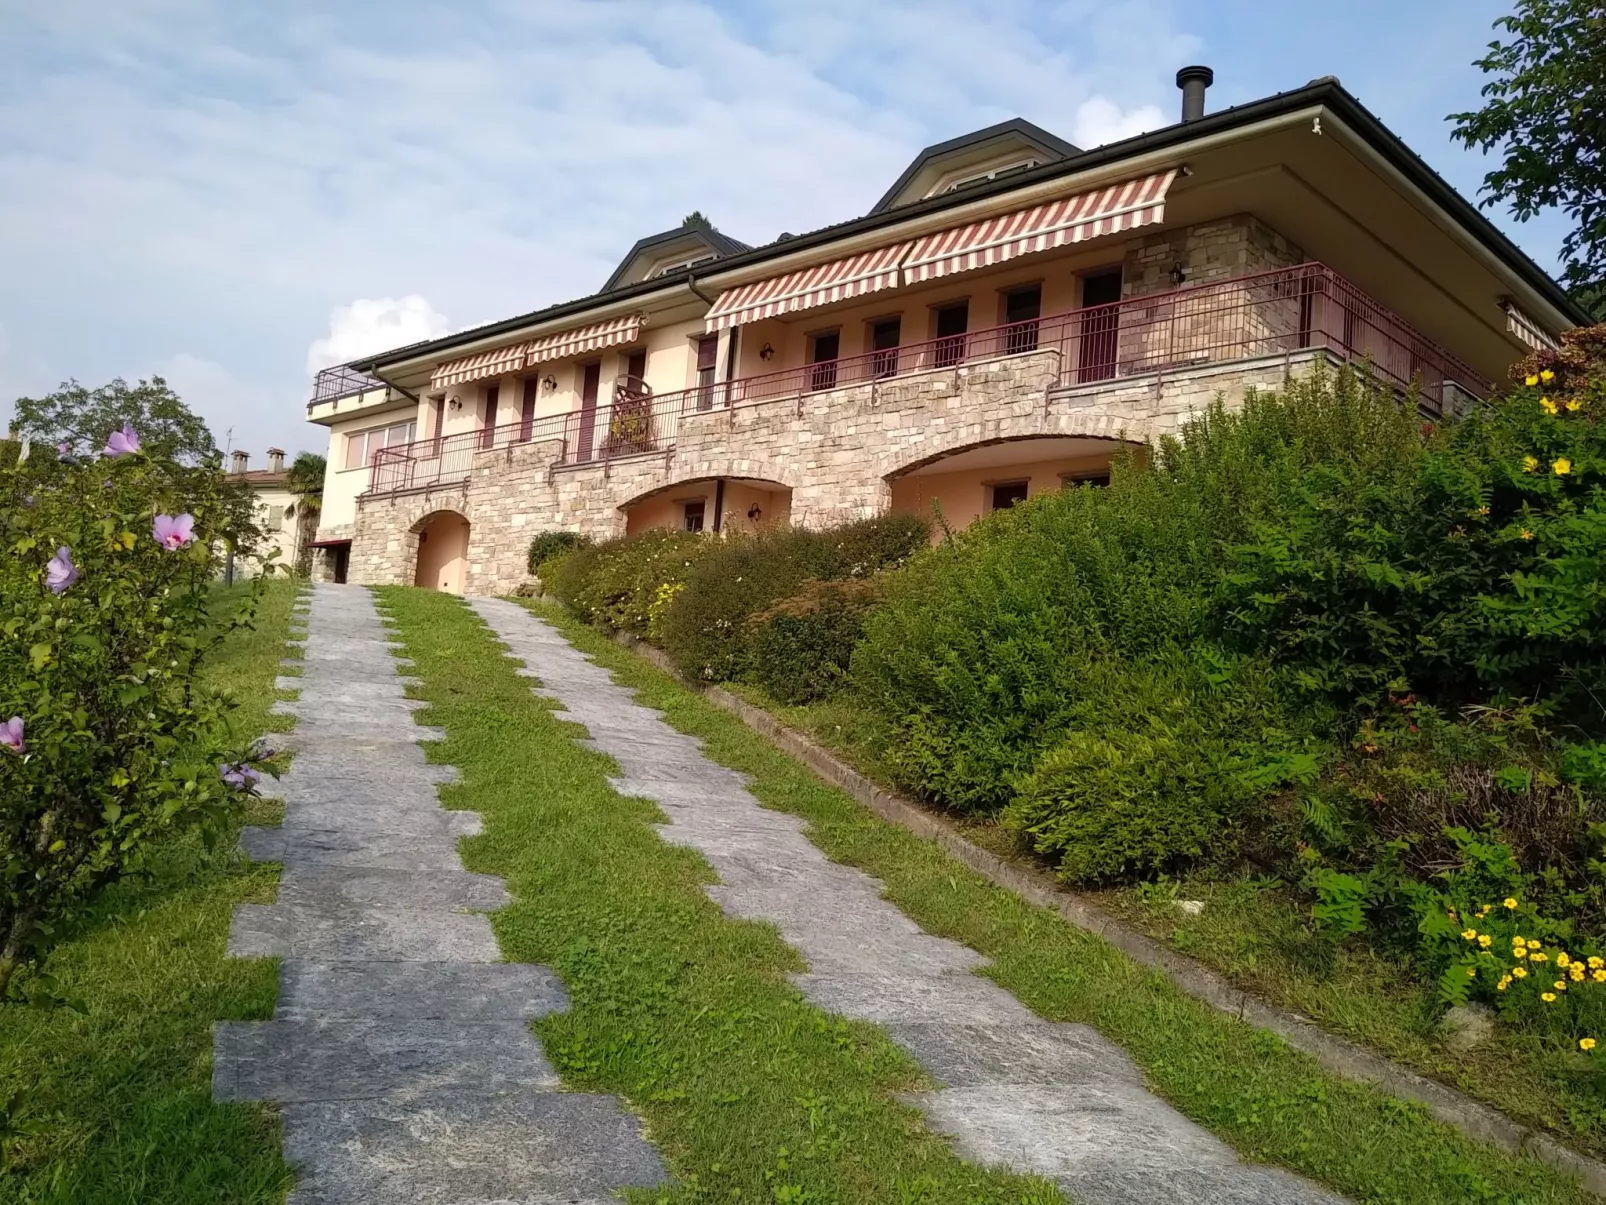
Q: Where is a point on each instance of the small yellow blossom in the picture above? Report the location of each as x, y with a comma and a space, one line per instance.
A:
1548, 406
1519, 972
1526, 534
1586, 1043
1518, 952
1547, 376
1596, 962
1598, 976
1469, 934
1562, 959
1539, 956
1548, 997
1574, 405
1530, 463
1576, 972
1485, 941
1530, 379
1509, 902
1560, 985
1534, 943
1472, 972
1561, 466
1505, 982
1484, 511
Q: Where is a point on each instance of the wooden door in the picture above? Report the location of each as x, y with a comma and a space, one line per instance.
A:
527, 412
1100, 327
590, 378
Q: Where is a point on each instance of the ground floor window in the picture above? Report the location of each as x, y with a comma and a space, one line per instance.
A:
1007, 493
694, 515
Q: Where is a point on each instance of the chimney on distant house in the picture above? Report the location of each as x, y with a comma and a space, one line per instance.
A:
237, 460
275, 460
1193, 81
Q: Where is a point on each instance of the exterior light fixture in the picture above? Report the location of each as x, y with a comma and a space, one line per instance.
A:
549, 382
755, 512
766, 353
1179, 274
455, 402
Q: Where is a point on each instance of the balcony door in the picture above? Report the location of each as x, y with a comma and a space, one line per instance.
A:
1100, 329
885, 336
823, 351
532, 387
590, 379
707, 362
952, 323
1022, 308
488, 429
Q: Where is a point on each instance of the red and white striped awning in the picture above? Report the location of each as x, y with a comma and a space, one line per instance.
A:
1111, 210
595, 337
477, 367
1526, 329
807, 288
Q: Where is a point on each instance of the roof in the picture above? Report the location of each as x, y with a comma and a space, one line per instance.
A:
1050, 146
261, 478
720, 244
1325, 92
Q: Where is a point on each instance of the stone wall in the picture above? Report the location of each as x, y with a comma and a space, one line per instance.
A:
836, 451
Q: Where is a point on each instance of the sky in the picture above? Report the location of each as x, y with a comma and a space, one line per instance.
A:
233, 195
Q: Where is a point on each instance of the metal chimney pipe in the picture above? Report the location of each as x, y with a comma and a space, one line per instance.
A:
1193, 81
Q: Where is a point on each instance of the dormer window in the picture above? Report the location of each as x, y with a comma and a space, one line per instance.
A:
995, 173
679, 266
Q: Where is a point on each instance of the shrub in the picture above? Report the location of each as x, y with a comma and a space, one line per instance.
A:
618, 584
799, 649
108, 743
550, 544
1167, 764
705, 631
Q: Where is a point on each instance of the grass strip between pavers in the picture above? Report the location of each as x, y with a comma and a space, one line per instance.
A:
751, 1092
1272, 1103
116, 1104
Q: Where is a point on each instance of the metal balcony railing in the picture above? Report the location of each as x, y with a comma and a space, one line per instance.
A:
1281, 313
341, 381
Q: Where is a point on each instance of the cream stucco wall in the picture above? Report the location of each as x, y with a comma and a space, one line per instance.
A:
967, 495
443, 553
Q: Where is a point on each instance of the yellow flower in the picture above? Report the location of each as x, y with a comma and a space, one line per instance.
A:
1509, 902
1534, 943
1540, 956
1562, 959
1530, 463
1503, 984
1519, 972
1484, 511
1596, 962
1586, 1043
1548, 406
1561, 466
1560, 985
1576, 972
1575, 405
1530, 379
1548, 997
1472, 972
1518, 952
1598, 976
1547, 376
1469, 934
1485, 941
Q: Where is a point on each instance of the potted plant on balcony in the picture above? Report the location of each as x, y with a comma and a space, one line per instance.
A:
630, 425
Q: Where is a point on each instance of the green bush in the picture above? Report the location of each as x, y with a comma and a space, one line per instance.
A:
705, 630
550, 544
108, 742
625, 584
799, 649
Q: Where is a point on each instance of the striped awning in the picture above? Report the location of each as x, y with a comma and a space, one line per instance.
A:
583, 339
807, 288
477, 367
1526, 329
1111, 210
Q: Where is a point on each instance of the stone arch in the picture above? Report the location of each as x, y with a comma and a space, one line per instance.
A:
439, 544
738, 503
1068, 422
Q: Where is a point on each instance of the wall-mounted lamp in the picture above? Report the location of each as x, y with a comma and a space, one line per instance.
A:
766, 353
454, 402
549, 382
755, 512
1179, 274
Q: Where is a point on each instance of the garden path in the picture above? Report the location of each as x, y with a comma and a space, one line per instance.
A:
400, 1051
1057, 1100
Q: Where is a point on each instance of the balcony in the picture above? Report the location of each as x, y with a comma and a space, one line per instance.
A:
332, 384
1274, 314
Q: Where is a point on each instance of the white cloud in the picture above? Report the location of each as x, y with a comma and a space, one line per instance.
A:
373, 325
1100, 120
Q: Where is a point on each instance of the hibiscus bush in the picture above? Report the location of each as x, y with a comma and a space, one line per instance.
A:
109, 743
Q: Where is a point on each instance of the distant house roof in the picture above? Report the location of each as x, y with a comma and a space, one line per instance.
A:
928, 165
679, 246
261, 478
1326, 91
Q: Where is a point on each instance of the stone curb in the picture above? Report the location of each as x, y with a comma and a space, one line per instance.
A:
1338, 1055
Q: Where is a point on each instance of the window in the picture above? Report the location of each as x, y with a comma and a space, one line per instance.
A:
679, 266
885, 336
1097, 480
693, 520
488, 427
1007, 493
275, 518
361, 445
1021, 310
823, 349
952, 323
707, 358
1009, 169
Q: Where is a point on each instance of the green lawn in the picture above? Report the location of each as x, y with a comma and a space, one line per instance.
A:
1271, 1103
119, 1098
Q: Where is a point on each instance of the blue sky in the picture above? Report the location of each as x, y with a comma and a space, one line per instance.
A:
233, 194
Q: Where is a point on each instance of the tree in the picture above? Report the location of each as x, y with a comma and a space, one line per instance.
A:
696, 220
1545, 109
82, 418
305, 481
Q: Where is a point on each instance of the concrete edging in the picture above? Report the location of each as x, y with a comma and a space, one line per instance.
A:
1339, 1055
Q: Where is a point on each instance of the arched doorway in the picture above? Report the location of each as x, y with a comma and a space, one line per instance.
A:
442, 552
973, 481
724, 504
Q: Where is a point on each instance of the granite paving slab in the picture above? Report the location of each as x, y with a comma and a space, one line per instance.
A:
1054, 1099
400, 1051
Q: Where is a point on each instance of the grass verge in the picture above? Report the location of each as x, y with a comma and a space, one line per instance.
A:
752, 1093
117, 1101
1273, 1104
1257, 934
